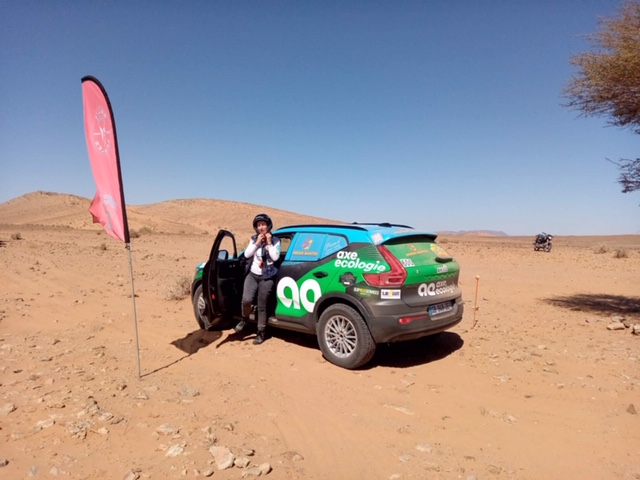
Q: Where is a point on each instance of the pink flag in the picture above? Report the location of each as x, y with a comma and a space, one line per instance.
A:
107, 207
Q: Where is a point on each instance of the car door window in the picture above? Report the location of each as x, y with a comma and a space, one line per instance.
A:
311, 247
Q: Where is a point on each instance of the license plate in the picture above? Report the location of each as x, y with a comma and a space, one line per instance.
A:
439, 308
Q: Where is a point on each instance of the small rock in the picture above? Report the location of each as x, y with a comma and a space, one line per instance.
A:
42, 424
424, 447
7, 408
4, 462
616, 326
251, 472
131, 475
632, 409
189, 392
167, 429
207, 473
241, 462
222, 456
175, 450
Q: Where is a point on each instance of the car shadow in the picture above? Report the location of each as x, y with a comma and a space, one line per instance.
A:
397, 355
416, 352
597, 303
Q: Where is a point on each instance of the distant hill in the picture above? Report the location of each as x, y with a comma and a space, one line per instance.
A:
478, 233
195, 216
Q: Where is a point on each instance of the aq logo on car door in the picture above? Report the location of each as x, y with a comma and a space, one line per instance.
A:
297, 298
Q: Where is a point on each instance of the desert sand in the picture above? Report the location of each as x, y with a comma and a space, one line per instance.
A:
541, 379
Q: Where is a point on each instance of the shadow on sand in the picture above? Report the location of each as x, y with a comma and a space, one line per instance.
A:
189, 344
416, 352
396, 355
598, 303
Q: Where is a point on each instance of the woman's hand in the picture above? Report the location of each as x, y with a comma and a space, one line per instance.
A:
260, 240
268, 238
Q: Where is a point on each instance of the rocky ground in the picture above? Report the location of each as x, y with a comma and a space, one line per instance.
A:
542, 380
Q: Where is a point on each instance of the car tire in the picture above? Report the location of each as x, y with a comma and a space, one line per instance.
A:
344, 337
200, 310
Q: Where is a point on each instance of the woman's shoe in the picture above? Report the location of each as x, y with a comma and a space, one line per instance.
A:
259, 338
240, 326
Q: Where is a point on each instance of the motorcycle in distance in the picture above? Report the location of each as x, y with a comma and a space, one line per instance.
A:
543, 242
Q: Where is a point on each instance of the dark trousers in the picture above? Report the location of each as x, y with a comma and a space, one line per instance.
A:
255, 284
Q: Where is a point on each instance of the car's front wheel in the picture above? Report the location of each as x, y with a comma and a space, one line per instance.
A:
344, 337
200, 309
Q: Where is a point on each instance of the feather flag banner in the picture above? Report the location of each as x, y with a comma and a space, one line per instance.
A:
107, 207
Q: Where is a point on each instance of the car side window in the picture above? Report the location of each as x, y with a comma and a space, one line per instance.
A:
311, 247
285, 243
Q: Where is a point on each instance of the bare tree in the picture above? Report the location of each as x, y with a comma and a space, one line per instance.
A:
608, 81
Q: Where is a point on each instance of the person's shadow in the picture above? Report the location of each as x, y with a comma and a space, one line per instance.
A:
196, 340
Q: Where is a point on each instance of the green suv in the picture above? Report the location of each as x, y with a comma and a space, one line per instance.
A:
353, 286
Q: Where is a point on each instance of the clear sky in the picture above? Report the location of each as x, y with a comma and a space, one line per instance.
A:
444, 115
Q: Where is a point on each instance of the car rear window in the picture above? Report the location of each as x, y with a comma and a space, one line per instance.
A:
416, 252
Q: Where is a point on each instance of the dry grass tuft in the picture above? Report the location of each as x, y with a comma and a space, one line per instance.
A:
620, 253
181, 289
600, 249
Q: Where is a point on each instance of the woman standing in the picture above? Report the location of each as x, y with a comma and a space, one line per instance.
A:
264, 249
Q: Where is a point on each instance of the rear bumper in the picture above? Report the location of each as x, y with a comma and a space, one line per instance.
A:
387, 327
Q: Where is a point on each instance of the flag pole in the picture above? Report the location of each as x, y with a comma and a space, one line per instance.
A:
135, 315
108, 206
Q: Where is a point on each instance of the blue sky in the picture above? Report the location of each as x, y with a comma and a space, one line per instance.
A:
444, 115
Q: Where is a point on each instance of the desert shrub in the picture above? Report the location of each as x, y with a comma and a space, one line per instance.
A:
181, 289
600, 249
145, 231
134, 234
16, 236
620, 253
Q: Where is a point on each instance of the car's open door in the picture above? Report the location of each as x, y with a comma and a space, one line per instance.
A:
223, 277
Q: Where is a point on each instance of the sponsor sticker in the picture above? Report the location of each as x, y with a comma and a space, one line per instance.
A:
435, 288
351, 260
386, 293
438, 250
407, 262
365, 291
414, 251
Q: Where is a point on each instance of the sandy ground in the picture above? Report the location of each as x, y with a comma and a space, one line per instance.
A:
539, 388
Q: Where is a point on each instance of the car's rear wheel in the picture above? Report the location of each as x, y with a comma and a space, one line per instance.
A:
200, 310
344, 337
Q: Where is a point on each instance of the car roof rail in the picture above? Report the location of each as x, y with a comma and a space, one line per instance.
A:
384, 224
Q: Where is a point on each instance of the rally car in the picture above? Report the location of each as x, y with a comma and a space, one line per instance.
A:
353, 286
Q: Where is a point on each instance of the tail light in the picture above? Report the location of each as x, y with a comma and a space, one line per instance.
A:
393, 278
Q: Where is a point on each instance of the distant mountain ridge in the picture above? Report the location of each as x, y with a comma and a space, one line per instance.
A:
480, 233
194, 216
